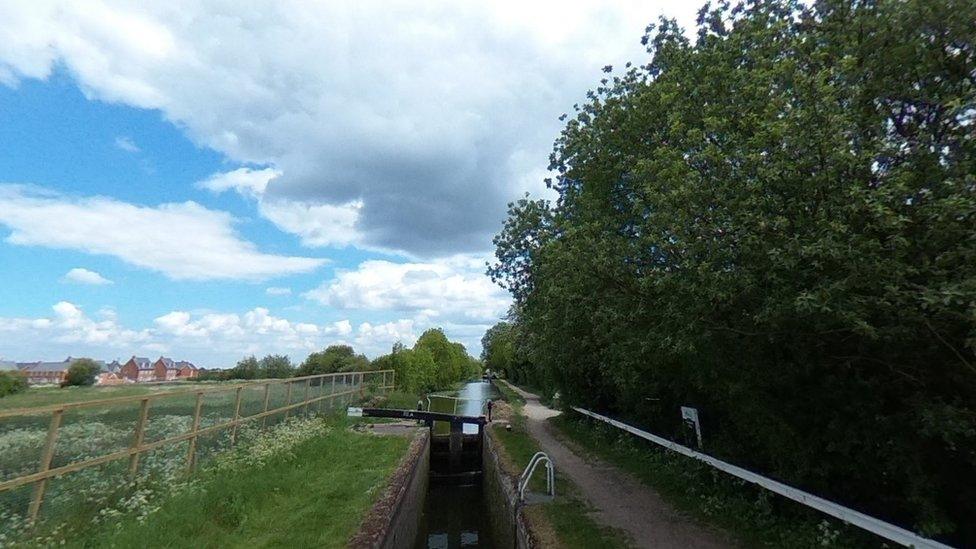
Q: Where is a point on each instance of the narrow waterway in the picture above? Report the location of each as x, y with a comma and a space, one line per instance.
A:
455, 514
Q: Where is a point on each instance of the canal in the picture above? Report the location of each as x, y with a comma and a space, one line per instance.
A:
455, 514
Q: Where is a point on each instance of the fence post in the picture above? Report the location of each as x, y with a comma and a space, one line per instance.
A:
288, 398
191, 454
267, 396
237, 416
308, 383
47, 454
138, 436
383, 384
393, 381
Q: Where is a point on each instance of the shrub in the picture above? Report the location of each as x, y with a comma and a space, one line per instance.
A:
11, 383
81, 372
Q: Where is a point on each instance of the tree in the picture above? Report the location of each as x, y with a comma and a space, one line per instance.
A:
773, 221
246, 368
335, 358
11, 383
82, 371
276, 366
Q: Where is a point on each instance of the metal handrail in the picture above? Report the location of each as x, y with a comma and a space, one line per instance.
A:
538, 458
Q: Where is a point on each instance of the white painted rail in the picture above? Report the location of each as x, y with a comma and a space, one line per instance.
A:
876, 526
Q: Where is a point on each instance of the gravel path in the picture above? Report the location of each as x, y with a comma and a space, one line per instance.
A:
619, 500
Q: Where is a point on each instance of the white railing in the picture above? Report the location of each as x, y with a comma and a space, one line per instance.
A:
876, 526
523, 482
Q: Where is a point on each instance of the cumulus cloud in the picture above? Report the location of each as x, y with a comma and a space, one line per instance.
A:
181, 240
417, 121
315, 224
208, 338
84, 276
453, 289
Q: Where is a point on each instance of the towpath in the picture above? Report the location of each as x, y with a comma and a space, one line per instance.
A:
619, 500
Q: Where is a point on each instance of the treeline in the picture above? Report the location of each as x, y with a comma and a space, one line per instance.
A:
774, 222
433, 363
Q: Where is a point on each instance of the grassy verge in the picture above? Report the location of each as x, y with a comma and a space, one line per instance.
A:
753, 515
311, 492
44, 396
564, 522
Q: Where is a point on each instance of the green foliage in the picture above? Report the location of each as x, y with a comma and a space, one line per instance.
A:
82, 372
434, 363
11, 383
249, 367
773, 222
335, 358
276, 366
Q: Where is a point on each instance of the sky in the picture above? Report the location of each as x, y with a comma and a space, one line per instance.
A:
211, 179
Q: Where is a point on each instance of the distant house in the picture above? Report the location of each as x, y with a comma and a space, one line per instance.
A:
138, 368
115, 366
41, 373
167, 369
109, 378
186, 370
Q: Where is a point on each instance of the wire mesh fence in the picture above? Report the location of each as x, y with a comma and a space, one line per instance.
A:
56, 460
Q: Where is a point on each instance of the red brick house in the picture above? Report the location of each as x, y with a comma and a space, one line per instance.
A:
138, 368
186, 370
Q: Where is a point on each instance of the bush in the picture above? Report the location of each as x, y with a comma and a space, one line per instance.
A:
83, 371
11, 383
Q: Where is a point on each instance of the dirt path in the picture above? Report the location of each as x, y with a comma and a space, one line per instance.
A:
620, 500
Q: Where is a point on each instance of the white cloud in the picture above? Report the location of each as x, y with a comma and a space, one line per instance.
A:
274, 290
84, 276
453, 289
243, 180
210, 339
418, 121
315, 224
126, 144
181, 240
69, 329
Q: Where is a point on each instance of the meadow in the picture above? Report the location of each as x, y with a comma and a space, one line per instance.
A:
78, 498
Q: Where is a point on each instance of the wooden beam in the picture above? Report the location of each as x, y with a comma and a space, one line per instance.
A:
137, 437
47, 454
191, 454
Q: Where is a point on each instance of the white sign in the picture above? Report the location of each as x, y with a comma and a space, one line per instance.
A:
690, 415
354, 412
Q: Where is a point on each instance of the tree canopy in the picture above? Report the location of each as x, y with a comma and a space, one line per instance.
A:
83, 371
774, 221
433, 363
335, 358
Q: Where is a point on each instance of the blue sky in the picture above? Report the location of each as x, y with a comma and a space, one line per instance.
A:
190, 180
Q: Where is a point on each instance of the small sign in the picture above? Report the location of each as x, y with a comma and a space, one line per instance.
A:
354, 412
690, 416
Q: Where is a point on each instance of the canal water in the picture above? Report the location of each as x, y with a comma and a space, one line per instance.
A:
455, 515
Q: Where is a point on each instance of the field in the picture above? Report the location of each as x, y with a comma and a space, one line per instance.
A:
309, 494
44, 396
86, 433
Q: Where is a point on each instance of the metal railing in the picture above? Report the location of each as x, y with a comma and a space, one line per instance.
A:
301, 395
876, 526
523, 483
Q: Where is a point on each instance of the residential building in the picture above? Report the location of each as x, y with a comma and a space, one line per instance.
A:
138, 368
167, 369
40, 373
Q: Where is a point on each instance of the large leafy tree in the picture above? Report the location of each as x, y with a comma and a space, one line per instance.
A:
82, 371
774, 221
335, 358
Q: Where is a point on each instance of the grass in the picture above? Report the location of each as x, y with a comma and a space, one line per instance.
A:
753, 515
45, 396
567, 516
312, 495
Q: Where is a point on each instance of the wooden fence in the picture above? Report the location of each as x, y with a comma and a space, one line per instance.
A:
313, 394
